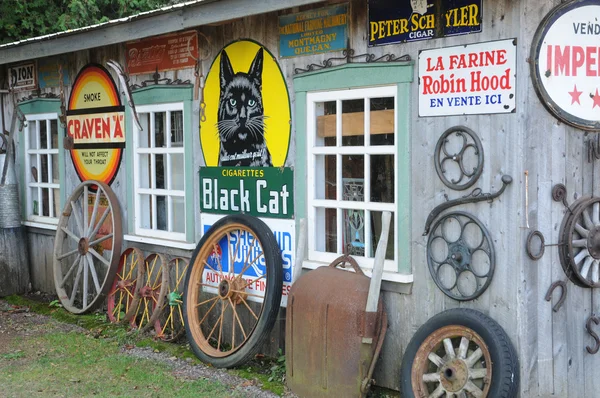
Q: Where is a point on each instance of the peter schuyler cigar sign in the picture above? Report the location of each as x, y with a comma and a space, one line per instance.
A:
467, 80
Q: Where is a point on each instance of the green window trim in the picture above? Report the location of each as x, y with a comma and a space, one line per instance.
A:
156, 95
352, 76
37, 106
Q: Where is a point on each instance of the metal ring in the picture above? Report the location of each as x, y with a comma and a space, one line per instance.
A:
442, 156
528, 247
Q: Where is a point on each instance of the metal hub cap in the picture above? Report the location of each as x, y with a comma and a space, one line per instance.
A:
224, 289
593, 242
83, 246
454, 375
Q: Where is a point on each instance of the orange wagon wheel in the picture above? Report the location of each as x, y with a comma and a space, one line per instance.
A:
171, 325
150, 296
121, 294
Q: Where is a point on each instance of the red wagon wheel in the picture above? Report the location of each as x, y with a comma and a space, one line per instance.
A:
121, 294
170, 321
153, 284
87, 246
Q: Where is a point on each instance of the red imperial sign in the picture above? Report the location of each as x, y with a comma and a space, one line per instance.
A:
566, 63
169, 52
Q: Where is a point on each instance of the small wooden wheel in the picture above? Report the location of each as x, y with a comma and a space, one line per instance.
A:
170, 320
87, 246
121, 294
153, 284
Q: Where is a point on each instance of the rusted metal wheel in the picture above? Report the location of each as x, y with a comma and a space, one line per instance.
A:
232, 291
460, 353
150, 296
458, 157
580, 250
87, 246
170, 321
461, 256
121, 294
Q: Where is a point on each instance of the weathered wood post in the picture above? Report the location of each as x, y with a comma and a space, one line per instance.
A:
14, 259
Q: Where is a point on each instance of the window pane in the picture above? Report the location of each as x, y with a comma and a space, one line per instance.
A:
33, 197
43, 134
382, 124
54, 133
354, 232
33, 132
144, 135
176, 128
161, 213
160, 171
159, 130
177, 171
45, 207
325, 169
382, 178
33, 176
44, 159
353, 166
145, 211
353, 122
144, 170
326, 123
376, 232
326, 230
178, 214
55, 170
56, 204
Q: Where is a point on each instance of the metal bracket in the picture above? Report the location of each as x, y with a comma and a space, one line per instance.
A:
559, 194
474, 197
588, 327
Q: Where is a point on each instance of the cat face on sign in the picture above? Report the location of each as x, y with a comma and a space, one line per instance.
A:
240, 120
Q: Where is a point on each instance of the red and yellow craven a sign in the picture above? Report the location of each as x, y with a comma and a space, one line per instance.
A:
96, 122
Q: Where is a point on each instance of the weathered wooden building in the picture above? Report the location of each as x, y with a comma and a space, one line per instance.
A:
356, 96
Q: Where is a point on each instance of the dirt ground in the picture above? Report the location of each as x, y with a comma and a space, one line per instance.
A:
19, 322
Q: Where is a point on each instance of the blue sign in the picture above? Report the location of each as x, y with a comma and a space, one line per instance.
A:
48, 73
313, 32
391, 22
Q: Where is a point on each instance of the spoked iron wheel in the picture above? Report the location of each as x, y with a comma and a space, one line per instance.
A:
170, 321
580, 253
87, 246
121, 294
460, 353
232, 291
150, 296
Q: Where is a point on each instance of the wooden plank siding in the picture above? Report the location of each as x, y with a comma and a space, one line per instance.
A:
550, 345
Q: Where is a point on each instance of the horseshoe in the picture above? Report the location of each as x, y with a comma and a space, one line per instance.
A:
563, 294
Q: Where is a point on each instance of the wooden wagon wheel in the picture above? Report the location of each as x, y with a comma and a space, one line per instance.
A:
153, 284
87, 246
123, 289
170, 321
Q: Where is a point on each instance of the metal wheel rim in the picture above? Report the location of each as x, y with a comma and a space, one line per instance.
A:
461, 266
171, 322
563, 249
196, 321
86, 259
453, 361
123, 289
583, 243
441, 156
150, 295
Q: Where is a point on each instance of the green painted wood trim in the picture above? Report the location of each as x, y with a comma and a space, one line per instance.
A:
300, 176
403, 163
34, 106
354, 76
162, 94
357, 76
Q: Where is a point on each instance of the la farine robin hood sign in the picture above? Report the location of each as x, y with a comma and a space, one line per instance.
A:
395, 21
565, 65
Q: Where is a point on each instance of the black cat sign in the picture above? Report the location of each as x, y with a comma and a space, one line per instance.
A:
248, 118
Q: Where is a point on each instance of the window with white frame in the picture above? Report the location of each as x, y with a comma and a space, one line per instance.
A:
351, 165
159, 172
42, 192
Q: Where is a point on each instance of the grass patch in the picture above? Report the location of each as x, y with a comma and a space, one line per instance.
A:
74, 364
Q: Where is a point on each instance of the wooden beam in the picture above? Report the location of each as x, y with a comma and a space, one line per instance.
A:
180, 18
382, 122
